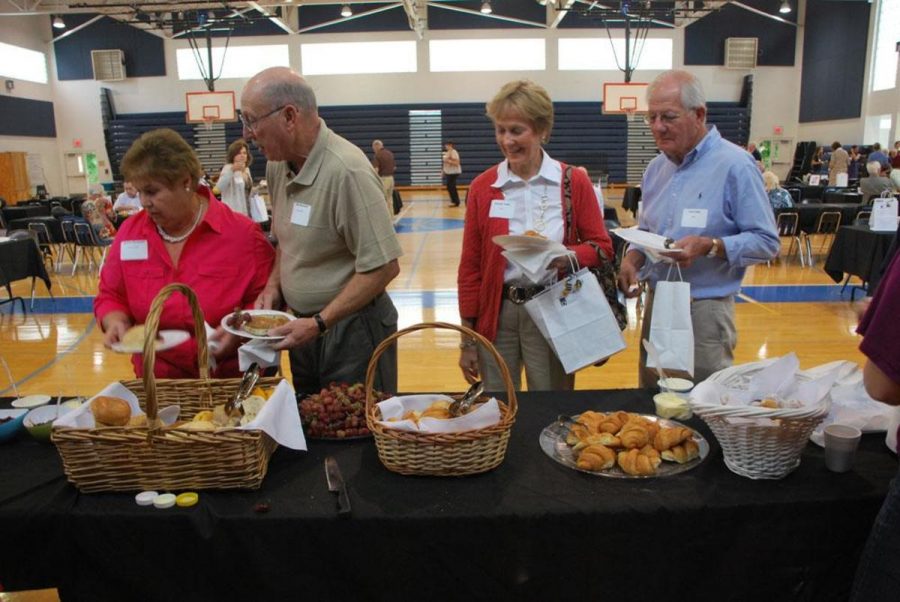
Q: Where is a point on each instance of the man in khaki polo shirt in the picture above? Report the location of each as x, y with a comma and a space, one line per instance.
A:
337, 250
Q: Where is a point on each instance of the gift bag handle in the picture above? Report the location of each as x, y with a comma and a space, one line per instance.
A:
151, 327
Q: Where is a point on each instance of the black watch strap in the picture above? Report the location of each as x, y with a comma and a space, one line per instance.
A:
323, 327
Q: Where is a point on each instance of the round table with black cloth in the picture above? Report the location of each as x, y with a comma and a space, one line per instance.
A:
531, 529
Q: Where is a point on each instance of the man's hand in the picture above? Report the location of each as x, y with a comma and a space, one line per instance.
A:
296, 332
226, 346
691, 248
628, 274
269, 298
468, 362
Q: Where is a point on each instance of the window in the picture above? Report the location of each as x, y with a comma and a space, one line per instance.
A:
343, 58
597, 54
22, 63
236, 62
884, 72
527, 54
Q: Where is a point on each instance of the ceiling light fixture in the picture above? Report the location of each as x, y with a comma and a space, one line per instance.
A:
58, 23
785, 7
486, 8
346, 11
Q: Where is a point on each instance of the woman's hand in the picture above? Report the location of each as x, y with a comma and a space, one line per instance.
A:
225, 344
115, 325
468, 362
239, 164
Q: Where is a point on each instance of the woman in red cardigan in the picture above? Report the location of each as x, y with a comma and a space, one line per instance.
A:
524, 193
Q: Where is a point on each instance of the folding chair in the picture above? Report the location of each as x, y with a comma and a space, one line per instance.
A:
862, 217
788, 225
87, 242
45, 241
826, 226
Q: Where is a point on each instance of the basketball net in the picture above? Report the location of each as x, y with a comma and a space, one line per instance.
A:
630, 113
208, 123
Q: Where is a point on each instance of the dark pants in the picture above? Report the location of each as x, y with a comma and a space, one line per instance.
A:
343, 353
451, 188
878, 574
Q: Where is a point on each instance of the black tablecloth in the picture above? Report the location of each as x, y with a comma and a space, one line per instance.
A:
858, 251
842, 196
809, 213
53, 226
16, 212
529, 530
20, 259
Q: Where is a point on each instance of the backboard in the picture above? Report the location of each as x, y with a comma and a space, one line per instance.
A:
620, 98
206, 107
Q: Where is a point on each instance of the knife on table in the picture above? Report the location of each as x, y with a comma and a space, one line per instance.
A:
336, 485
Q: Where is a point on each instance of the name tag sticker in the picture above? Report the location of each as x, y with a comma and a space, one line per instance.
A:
502, 209
133, 250
693, 218
300, 214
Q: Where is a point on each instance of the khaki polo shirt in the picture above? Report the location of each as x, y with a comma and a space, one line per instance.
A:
347, 230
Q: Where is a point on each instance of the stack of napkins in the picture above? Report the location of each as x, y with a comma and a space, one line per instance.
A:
532, 254
393, 410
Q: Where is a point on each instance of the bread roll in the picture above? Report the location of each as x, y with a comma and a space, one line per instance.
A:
110, 411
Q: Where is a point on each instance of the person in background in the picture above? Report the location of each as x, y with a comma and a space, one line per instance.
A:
875, 184
384, 164
598, 190
129, 202
878, 574
337, 250
183, 235
894, 157
878, 155
97, 210
818, 161
451, 166
839, 162
522, 195
707, 195
855, 160
235, 181
751, 148
779, 198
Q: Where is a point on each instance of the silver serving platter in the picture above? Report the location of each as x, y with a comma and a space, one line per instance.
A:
553, 442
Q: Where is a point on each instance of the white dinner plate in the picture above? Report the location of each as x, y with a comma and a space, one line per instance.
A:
170, 338
255, 312
30, 401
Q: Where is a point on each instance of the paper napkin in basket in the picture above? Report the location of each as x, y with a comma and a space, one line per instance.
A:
485, 415
82, 417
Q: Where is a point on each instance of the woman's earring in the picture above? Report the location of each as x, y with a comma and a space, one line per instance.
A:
187, 188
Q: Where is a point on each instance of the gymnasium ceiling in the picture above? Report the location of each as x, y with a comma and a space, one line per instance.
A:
260, 17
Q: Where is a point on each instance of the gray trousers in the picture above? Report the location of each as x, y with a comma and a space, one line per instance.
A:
342, 354
521, 344
715, 338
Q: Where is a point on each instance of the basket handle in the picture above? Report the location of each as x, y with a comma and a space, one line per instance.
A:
373, 363
151, 326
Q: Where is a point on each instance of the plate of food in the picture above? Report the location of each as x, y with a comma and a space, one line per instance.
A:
133, 340
255, 323
623, 445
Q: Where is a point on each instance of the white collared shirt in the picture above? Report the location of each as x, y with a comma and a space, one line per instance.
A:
527, 198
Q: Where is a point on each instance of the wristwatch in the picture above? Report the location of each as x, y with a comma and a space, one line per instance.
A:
323, 327
714, 249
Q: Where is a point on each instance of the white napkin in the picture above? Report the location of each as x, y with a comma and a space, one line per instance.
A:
82, 417
259, 351
213, 346
534, 263
484, 416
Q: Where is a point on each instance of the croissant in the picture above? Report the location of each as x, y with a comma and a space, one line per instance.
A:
685, 452
596, 457
634, 435
667, 438
636, 463
591, 420
613, 423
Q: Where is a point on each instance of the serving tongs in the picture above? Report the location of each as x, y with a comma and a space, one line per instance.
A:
251, 377
462, 405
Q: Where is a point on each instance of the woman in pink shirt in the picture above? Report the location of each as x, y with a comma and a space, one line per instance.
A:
183, 235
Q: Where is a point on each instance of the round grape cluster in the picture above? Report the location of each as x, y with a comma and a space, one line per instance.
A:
338, 411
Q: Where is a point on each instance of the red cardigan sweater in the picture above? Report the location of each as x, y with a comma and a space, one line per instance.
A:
481, 266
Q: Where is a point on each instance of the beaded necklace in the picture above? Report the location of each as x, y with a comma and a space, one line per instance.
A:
176, 239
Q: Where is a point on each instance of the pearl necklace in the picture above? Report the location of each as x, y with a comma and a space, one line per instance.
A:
176, 239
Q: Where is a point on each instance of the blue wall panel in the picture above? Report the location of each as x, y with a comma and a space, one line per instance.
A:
26, 117
704, 40
144, 54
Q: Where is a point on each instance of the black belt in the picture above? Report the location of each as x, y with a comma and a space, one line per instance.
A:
520, 294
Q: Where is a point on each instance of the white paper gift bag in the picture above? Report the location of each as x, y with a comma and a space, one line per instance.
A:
575, 318
671, 328
258, 211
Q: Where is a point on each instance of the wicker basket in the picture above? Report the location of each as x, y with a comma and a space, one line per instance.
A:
757, 451
141, 458
441, 454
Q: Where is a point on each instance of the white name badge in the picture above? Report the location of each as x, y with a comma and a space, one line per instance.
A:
502, 209
300, 214
693, 218
133, 250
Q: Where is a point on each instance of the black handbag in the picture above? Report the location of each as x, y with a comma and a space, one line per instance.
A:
607, 272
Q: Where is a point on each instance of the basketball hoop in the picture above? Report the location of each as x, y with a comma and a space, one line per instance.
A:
208, 122
630, 113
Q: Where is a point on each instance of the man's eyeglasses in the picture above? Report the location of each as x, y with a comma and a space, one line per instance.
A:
251, 124
665, 118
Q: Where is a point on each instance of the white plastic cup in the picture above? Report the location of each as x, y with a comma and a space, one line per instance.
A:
841, 441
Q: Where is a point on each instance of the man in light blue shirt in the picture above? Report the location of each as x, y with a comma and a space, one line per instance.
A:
707, 195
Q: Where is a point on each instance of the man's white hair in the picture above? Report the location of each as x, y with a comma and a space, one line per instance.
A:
692, 95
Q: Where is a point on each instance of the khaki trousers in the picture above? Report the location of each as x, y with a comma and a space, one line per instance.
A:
521, 344
715, 338
387, 184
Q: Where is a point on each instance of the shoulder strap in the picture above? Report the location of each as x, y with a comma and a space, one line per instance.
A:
571, 235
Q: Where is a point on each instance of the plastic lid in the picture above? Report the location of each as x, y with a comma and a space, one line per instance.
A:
187, 499
166, 500
145, 498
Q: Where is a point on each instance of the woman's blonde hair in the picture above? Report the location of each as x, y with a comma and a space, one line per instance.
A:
234, 148
529, 100
163, 155
771, 181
